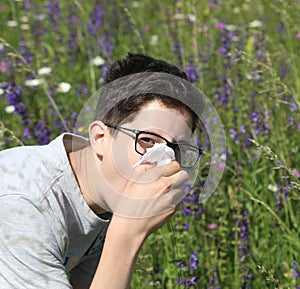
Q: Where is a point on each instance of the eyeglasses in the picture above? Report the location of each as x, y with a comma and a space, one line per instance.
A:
186, 154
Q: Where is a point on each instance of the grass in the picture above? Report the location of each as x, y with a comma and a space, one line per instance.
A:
244, 56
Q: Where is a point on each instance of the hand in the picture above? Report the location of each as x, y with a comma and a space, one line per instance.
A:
126, 234
145, 206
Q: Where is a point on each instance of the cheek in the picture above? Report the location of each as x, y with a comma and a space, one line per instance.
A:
123, 155
132, 155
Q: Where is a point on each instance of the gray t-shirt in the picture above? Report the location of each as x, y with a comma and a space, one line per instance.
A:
47, 230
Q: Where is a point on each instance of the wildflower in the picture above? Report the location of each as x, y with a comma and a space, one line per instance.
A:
296, 173
33, 82
95, 20
243, 248
44, 71
272, 188
186, 226
179, 16
293, 107
98, 61
255, 24
42, 133
12, 23
54, 13
1, 91
25, 51
193, 72
296, 272
242, 128
231, 28
220, 26
191, 17
10, 109
212, 226
153, 40
64, 87
298, 35
193, 261
180, 265
25, 26
24, 19
3, 66
233, 135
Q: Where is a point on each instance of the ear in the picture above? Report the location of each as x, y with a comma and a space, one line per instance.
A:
99, 136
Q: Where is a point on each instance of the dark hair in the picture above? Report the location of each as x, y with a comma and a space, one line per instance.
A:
138, 63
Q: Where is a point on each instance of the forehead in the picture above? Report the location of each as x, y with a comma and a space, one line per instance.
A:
167, 121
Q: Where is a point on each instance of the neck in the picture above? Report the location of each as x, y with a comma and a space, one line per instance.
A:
86, 171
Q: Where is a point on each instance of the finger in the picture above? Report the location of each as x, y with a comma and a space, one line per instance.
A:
176, 190
147, 173
170, 169
177, 179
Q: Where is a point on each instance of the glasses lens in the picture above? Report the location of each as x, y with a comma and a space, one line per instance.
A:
145, 141
187, 155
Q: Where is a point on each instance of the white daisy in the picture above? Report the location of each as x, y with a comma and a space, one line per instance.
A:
12, 23
153, 40
64, 87
255, 24
98, 61
272, 188
44, 71
10, 109
33, 82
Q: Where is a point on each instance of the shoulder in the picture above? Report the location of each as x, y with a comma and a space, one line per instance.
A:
32, 169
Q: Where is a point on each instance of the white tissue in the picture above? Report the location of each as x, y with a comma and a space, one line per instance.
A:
160, 154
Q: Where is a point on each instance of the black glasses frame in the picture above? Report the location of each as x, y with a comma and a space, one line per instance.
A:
173, 146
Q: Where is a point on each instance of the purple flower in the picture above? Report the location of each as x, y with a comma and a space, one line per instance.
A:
95, 20
296, 173
243, 247
296, 272
281, 27
26, 54
180, 265
193, 261
179, 280
293, 107
242, 128
193, 73
42, 133
186, 227
220, 26
3, 67
233, 135
54, 13
213, 282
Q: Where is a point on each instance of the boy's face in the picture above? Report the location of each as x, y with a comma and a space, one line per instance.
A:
119, 155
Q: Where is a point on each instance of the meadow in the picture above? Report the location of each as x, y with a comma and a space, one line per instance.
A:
244, 55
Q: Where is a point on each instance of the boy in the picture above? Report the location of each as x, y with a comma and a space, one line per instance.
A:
59, 202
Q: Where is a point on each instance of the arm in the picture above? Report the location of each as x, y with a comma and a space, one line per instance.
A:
125, 236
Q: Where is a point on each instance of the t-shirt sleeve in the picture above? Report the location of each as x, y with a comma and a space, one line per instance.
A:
31, 246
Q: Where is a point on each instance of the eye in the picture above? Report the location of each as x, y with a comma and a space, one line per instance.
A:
146, 141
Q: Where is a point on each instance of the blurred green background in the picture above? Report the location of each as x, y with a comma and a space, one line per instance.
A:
244, 55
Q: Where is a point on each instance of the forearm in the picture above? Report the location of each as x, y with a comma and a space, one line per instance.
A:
118, 257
